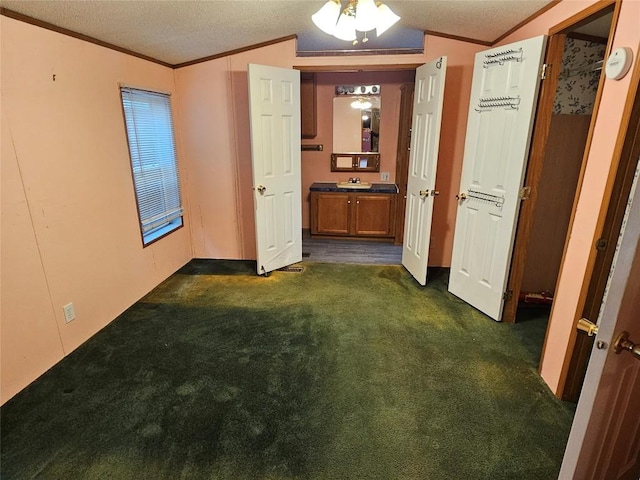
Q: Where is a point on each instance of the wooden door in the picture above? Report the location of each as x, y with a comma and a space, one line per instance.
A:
308, 102
606, 249
604, 443
274, 109
402, 158
504, 94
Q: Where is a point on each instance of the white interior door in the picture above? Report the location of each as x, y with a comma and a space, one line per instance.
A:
423, 161
605, 437
504, 93
274, 108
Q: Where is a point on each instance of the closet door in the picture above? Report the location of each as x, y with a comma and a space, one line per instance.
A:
504, 93
423, 160
274, 110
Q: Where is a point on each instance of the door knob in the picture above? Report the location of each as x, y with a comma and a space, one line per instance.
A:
623, 343
423, 194
435, 193
461, 196
261, 189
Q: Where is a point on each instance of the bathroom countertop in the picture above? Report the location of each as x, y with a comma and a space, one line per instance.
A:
375, 188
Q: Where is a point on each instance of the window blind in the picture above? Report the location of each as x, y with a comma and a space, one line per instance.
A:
153, 159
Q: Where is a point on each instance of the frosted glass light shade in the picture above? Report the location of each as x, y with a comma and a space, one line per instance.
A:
360, 15
327, 17
366, 15
386, 19
346, 28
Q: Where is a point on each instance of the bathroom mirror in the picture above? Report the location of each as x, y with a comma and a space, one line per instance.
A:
356, 124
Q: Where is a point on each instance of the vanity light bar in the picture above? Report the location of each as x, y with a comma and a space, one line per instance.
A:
357, 89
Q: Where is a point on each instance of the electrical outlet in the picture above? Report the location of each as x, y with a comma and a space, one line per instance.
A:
384, 176
69, 312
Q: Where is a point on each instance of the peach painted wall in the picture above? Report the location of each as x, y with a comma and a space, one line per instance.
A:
552, 17
207, 146
69, 224
601, 166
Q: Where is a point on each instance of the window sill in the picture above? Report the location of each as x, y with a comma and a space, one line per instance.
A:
155, 235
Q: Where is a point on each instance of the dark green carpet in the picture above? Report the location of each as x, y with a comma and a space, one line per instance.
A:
339, 372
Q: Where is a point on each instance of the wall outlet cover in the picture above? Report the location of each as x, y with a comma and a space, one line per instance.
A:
69, 312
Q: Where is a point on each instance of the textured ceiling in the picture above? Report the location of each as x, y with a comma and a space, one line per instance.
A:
177, 31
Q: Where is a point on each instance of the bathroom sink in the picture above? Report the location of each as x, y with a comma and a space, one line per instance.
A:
355, 186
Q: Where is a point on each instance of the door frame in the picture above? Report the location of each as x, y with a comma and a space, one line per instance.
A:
586, 447
605, 254
402, 156
555, 48
404, 128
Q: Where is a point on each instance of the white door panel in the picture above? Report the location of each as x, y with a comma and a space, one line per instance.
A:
423, 161
274, 107
504, 93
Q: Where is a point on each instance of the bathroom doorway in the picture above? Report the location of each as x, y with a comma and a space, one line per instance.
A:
316, 163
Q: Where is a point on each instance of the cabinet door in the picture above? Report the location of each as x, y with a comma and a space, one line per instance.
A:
330, 214
374, 215
402, 158
308, 104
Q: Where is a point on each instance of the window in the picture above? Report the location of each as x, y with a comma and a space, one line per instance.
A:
153, 161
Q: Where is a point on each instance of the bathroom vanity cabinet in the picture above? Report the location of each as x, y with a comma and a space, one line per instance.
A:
351, 213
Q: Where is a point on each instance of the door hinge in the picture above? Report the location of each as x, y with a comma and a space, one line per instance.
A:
601, 244
543, 70
525, 193
507, 295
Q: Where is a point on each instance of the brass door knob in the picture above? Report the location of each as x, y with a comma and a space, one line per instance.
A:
435, 193
623, 343
261, 189
461, 196
423, 194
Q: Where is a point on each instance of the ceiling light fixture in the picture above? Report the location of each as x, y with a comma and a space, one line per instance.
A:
359, 15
